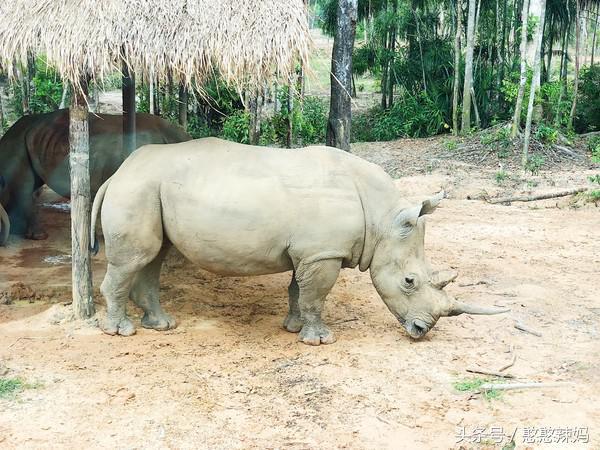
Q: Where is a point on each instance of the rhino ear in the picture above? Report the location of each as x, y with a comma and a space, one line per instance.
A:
410, 216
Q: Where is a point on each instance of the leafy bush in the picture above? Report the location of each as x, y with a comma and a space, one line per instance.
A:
546, 134
500, 176
594, 147
197, 127
309, 122
534, 164
312, 124
410, 116
236, 126
588, 104
46, 91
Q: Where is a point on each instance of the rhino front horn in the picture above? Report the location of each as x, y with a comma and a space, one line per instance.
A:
457, 308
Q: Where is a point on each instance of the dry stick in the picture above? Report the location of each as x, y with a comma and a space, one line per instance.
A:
489, 372
531, 198
507, 386
521, 327
510, 364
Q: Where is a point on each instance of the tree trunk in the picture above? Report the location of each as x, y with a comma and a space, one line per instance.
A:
254, 111
577, 51
1, 113
151, 95
534, 82
183, 106
340, 112
455, 126
468, 82
595, 34
128, 93
157, 98
523, 77
420, 50
63, 99
289, 105
79, 160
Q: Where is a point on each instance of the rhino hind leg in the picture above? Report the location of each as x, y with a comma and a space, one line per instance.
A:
315, 280
145, 294
293, 322
115, 288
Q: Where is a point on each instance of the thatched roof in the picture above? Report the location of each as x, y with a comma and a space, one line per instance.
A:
245, 41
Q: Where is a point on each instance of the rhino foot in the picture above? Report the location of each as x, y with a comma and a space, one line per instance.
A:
292, 323
122, 326
36, 235
316, 334
160, 322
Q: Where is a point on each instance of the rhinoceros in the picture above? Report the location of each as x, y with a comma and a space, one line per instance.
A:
240, 210
35, 151
4, 220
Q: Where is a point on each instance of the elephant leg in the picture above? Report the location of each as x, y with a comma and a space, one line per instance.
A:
293, 322
145, 294
315, 280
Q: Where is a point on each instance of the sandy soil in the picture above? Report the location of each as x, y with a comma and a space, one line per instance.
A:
230, 377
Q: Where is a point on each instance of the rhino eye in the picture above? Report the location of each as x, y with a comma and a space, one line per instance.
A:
409, 280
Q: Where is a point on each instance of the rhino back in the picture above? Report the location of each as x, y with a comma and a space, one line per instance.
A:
48, 146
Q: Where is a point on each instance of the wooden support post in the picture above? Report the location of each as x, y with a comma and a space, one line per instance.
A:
183, 106
79, 160
128, 91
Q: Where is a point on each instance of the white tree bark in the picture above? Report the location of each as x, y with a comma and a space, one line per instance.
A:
455, 125
577, 54
468, 82
534, 82
523, 77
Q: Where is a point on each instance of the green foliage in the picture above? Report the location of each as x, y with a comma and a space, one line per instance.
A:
499, 139
450, 145
588, 104
10, 386
45, 90
197, 127
556, 102
410, 116
594, 148
546, 134
474, 385
236, 126
308, 117
500, 176
534, 164
594, 195
312, 121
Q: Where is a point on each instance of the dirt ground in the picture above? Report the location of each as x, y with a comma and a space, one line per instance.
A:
230, 377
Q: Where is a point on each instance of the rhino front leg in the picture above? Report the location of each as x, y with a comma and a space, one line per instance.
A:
293, 322
315, 280
145, 294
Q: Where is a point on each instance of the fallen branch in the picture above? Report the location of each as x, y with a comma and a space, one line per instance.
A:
522, 327
507, 386
510, 364
489, 372
531, 198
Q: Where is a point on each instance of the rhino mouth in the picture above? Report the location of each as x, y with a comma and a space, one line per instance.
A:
416, 328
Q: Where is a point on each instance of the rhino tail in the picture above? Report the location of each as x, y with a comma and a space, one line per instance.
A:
94, 244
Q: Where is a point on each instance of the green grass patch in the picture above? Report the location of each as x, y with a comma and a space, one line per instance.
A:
474, 385
10, 386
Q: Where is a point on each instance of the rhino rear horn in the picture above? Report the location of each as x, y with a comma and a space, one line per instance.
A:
441, 278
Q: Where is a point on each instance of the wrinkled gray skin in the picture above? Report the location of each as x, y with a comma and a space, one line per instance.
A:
241, 210
4, 220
